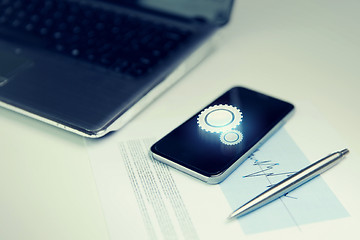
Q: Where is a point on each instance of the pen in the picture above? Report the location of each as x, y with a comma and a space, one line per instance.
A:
290, 183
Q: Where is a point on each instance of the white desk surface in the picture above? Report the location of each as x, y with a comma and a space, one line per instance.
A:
295, 50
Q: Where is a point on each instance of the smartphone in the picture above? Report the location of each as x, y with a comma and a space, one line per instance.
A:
216, 140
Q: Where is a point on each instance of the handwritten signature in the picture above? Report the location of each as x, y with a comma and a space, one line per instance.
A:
267, 169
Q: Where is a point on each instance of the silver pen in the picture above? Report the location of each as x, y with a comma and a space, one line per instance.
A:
290, 183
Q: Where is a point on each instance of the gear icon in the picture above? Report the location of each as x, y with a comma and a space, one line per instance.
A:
231, 137
219, 118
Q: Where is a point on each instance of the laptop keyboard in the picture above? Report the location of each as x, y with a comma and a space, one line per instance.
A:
117, 42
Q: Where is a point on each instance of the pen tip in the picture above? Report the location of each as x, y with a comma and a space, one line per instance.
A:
230, 217
234, 215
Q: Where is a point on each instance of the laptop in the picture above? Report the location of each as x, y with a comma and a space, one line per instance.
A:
90, 66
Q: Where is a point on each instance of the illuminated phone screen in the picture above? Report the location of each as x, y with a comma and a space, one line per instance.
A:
217, 136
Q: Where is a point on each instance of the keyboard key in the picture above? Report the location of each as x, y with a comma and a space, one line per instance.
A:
120, 43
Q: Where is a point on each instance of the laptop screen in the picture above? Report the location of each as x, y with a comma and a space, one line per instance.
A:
215, 11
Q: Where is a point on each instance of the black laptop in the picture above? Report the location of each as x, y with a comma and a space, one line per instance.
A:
89, 66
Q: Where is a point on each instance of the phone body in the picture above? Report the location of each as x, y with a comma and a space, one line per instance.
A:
216, 140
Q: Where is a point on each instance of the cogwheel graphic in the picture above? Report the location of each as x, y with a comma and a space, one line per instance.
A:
231, 137
219, 118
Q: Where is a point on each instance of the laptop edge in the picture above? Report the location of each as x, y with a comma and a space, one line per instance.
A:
193, 60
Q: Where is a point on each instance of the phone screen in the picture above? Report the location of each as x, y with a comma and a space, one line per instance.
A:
219, 135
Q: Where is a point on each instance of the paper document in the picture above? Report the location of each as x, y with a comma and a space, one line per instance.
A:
269, 165
145, 199
161, 207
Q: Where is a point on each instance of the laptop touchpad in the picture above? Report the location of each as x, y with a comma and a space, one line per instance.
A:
10, 64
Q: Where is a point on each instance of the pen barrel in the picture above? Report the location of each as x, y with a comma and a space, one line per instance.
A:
290, 183
308, 173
